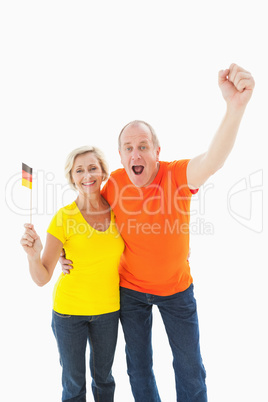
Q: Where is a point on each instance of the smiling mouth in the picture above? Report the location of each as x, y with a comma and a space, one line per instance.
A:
89, 183
137, 169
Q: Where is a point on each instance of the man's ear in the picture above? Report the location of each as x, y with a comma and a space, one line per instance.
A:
120, 156
157, 153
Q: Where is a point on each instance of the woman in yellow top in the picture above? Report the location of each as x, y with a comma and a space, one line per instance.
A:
85, 302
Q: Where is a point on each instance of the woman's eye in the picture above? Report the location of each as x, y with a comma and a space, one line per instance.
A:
79, 171
143, 147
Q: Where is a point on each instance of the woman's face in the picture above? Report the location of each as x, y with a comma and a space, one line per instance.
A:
87, 173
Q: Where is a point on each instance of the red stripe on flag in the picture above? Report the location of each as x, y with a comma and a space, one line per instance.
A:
27, 176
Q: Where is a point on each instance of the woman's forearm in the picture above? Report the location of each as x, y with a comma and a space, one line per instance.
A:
38, 271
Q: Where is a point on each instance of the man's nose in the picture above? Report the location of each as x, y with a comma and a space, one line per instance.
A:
135, 154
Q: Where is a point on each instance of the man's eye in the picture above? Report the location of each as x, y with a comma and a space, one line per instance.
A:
143, 147
128, 149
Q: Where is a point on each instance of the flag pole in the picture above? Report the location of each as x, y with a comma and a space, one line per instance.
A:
27, 177
31, 205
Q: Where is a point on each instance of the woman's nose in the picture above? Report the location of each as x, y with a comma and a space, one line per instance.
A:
88, 175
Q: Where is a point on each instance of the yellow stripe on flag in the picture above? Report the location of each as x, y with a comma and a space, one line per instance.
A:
26, 183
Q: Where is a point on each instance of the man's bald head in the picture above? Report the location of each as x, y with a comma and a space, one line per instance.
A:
139, 123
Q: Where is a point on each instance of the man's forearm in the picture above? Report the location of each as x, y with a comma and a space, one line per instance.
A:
224, 139
205, 165
236, 85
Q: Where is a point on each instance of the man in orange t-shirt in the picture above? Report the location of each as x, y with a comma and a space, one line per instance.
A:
151, 201
154, 223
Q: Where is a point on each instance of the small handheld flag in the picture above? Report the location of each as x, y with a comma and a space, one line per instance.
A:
27, 178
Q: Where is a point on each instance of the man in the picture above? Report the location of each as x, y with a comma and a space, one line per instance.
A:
151, 201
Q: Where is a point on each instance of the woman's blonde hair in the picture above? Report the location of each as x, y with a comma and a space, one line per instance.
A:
80, 151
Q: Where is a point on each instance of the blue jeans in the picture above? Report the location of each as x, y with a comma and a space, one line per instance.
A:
181, 323
72, 333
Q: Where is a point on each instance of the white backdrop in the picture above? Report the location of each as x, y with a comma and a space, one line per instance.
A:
73, 73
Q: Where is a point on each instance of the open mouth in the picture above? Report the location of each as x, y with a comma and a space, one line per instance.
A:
137, 169
88, 184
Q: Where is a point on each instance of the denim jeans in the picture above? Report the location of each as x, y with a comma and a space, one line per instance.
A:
72, 333
181, 323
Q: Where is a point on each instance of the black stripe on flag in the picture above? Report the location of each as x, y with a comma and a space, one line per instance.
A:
27, 169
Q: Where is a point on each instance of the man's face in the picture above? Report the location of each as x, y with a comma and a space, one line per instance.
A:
139, 155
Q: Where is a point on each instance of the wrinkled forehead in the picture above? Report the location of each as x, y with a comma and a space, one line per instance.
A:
136, 133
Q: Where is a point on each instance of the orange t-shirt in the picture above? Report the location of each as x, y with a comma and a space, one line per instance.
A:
154, 223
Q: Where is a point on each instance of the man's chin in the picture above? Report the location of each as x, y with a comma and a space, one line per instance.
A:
137, 180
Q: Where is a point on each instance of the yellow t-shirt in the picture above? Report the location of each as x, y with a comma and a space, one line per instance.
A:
92, 287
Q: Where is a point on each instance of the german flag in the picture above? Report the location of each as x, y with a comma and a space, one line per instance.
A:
27, 176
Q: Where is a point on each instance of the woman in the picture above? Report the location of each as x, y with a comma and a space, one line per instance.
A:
86, 302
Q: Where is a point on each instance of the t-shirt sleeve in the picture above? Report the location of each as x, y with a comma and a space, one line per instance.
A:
56, 226
110, 191
179, 173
